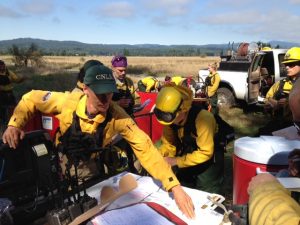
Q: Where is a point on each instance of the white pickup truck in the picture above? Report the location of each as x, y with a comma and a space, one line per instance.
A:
242, 77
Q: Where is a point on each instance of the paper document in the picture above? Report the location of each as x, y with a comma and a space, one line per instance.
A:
150, 190
132, 215
289, 133
291, 183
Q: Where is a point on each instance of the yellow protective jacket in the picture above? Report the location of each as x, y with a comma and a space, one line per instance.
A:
205, 127
177, 80
62, 105
128, 83
271, 204
287, 87
150, 83
13, 79
215, 81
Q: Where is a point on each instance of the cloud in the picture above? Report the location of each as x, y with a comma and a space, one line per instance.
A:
7, 12
231, 18
268, 26
228, 3
123, 10
37, 6
294, 2
275, 27
169, 7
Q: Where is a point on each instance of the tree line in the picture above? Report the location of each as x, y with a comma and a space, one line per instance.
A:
33, 55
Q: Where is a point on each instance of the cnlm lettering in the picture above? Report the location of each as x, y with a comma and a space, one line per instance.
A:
104, 77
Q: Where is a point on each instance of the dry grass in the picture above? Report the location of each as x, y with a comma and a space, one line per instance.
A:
138, 66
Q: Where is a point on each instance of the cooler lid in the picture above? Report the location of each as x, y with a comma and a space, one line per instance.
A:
269, 150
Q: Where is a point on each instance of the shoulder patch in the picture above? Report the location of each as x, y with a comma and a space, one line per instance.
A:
46, 96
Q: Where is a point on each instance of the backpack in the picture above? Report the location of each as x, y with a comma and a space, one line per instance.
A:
224, 135
280, 93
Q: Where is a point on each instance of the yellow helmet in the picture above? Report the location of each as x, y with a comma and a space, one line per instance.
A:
168, 104
266, 49
292, 55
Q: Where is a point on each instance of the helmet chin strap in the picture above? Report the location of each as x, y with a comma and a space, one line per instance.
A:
181, 118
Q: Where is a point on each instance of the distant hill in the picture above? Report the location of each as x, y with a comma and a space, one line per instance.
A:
52, 47
284, 44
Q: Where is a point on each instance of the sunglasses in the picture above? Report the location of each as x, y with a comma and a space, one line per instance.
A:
297, 126
166, 116
292, 64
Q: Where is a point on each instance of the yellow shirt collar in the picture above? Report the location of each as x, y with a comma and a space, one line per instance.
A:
81, 109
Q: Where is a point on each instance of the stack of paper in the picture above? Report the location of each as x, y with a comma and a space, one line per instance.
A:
149, 190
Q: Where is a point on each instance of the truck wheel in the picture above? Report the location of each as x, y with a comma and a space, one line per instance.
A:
225, 97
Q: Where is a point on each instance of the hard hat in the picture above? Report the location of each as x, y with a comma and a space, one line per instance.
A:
266, 48
168, 103
292, 55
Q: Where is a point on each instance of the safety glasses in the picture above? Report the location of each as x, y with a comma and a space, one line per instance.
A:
297, 126
164, 116
167, 117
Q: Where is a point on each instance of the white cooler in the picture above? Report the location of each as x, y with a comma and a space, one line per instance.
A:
254, 155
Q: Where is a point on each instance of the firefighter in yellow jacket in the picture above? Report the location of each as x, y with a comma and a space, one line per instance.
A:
7, 98
149, 84
188, 139
81, 115
127, 96
212, 82
269, 202
176, 79
277, 96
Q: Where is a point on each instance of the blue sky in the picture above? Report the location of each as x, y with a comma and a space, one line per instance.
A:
151, 21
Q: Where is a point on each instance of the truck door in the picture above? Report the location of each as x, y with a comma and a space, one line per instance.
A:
254, 78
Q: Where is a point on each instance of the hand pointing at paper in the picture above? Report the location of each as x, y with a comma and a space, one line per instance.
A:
184, 201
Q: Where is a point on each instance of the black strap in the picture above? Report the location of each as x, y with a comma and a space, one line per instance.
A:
74, 138
188, 141
279, 93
